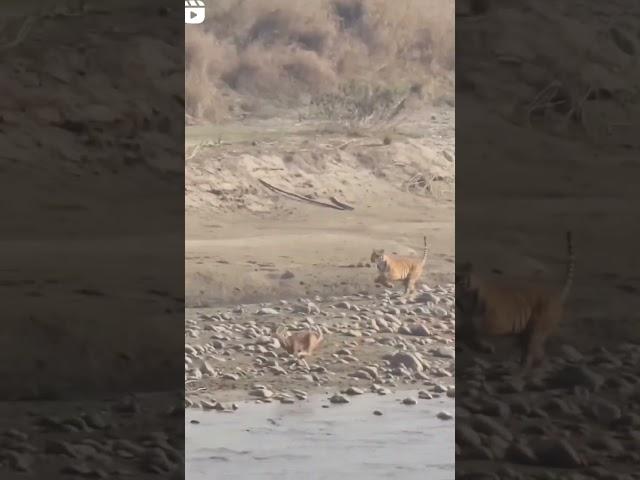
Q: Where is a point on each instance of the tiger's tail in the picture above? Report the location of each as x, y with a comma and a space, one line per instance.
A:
425, 251
571, 265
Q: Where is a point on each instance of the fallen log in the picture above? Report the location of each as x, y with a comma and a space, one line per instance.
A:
336, 205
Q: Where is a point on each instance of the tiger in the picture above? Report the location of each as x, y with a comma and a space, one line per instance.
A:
397, 268
300, 344
498, 307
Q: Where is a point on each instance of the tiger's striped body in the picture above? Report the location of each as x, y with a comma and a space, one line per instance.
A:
397, 268
499, 307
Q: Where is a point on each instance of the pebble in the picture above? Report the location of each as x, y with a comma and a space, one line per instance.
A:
444, 415
557, 453
337, 398
354, 391
361, 374
571, 354
606, 412
267, 311
467, 436
17, 461
207, 405
261, 393
574, 376
420, 331
406, 360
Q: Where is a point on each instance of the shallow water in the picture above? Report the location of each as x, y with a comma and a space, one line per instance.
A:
306, 441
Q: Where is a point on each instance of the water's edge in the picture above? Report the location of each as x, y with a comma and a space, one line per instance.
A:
305, 440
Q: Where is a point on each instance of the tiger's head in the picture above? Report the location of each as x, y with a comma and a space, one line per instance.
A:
377, 255
377, 258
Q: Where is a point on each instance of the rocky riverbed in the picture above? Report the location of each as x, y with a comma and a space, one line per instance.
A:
123, 436
372, 343
577, 418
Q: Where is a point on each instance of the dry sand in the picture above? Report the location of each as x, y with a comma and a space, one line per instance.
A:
245, 243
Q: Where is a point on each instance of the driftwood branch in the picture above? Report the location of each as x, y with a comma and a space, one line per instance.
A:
343, 206
193, 153
23, 31
336, 205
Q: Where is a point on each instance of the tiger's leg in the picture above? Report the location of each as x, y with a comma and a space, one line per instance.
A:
533, 353
483, 347
466, 333
523, 342
287, 345
410, 285
479, 344
407, 287
537, 350
382, 280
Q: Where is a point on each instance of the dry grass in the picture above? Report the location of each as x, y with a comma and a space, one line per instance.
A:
284, 51
359, 105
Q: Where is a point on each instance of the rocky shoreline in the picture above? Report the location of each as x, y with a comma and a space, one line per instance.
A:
575, 418
136, 436
372, 343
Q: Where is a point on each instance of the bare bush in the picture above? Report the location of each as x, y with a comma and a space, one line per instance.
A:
206, 57
283, 50
427, 184
358, 105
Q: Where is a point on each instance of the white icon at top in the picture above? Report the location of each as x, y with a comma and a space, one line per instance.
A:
194, 11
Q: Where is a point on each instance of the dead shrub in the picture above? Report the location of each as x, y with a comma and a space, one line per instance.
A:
275, 50
360, 105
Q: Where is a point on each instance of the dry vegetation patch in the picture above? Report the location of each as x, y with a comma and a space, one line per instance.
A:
291, 51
